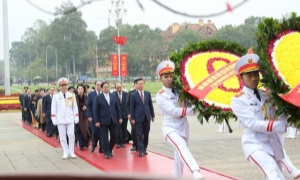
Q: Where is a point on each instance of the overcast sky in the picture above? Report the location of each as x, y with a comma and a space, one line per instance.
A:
22, 15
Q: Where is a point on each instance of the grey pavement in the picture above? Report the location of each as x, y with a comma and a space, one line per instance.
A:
22, 151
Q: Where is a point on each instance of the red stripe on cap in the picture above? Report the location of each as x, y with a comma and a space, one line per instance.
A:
166, 69
248, 67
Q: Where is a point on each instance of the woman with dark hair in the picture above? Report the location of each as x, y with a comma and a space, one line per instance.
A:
81, 129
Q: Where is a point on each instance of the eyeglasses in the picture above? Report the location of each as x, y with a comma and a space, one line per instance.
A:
63, 85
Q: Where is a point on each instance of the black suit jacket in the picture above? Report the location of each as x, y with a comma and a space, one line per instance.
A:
47, 101
28, 102
122, 104
128, 100
105, 113
139, 109
90, 104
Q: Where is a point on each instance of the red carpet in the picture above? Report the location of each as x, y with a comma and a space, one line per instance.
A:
125, 161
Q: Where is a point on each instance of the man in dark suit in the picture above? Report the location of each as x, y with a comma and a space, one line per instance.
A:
122, 128
133, 132
107, 117
28, 106
142, 112
95, 131
21, 100
46, 111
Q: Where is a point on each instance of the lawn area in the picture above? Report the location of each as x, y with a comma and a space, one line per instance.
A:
153, 87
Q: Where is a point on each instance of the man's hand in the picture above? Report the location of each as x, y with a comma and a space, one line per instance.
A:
132, 122
84, 108
153, 119
43, 115
97, 124
90, 119
25, 109
120, 121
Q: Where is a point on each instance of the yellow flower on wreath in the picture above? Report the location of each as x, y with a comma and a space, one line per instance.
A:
286, 58
198, 68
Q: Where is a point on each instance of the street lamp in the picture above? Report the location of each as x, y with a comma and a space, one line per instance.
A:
117, 9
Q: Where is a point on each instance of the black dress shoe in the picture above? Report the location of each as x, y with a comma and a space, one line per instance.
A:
81, 148
107, 156
92, 148
133, 148
145, 152
118, 146
123, 145
141, 154
111, 155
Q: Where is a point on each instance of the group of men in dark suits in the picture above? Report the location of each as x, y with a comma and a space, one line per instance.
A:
29, 101
109, 113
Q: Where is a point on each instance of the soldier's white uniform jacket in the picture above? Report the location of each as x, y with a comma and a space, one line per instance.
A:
174, 116
261, 130
64, 110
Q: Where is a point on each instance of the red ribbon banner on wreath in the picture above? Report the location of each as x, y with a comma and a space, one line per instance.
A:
120, 40
293, 96
202, 89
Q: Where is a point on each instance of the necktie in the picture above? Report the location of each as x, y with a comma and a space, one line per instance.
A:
142, 96
65, 96
173, 90
257, 94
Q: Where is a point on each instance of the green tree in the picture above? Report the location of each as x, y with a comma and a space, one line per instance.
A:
244, 34
67, 36
182, 39
142, 46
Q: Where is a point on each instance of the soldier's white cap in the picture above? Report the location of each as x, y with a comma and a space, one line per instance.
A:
165, 66
247, 63
62, 81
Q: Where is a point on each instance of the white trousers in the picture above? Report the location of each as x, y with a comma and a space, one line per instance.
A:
267, 164
182, 154
63, 130
287, 165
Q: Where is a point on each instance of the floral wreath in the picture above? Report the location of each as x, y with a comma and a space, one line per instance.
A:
279, 51
207, 53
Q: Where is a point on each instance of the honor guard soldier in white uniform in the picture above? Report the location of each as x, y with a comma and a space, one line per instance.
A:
175, 123
64, 113
262, 140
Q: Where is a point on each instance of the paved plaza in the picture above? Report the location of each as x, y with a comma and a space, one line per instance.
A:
21, 151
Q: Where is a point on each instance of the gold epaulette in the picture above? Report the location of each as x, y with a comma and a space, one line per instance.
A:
161, 91
239, 94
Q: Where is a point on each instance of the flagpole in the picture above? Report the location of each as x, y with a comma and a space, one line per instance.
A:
6, 44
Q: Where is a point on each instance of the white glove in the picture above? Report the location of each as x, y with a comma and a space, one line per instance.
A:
54, 122
76, 120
